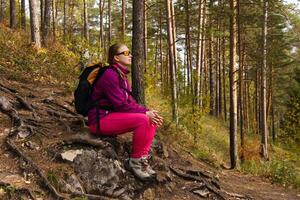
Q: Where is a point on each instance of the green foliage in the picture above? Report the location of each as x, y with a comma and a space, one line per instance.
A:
53, 178
10, 189
279, 171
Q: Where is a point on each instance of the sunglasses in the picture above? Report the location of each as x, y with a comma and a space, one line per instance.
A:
125, 53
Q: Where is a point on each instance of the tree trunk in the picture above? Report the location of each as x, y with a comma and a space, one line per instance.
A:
109, 22
211, 74
199, 52
123, 19
161, 48
54, 13
65, 20
172, 60
85, 21
220, 64
264, 125
12, 14
188, 51
1, 10
145, 33
240, 92
42, 15
224, 79
47, 20
138, 51
101, 10
174, 35
34, 23
233, 87
23, 15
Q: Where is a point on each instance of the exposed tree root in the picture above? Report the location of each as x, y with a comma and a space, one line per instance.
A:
50, 101
85, 139
210, 186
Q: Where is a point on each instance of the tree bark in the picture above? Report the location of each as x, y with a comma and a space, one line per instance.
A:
47, 20
188, 51
101, 39
23, 15
12, 14
172, 60
54, 13
34, 23
161, 47
123, 19
109, 22
241, 83
233, 86
85, 21
65, 20
264, 125
1, 10
224, 79
42, 13
138, 51
145, 33
199, 52
174, 36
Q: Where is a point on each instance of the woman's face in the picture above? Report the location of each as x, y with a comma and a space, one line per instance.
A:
123, 56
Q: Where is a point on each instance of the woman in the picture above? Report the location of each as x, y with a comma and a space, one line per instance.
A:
119, 113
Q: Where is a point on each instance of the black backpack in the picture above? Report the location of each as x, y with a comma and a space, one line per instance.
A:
83, 92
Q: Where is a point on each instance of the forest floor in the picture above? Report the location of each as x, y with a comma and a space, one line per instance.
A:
49, 113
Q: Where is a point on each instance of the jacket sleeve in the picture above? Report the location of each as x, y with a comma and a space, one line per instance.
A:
118, 97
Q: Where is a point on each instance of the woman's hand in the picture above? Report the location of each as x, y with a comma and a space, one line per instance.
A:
155, 118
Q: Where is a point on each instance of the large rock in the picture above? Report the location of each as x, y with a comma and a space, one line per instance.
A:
99, 173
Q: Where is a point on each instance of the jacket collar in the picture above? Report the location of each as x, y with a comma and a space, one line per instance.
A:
123, 68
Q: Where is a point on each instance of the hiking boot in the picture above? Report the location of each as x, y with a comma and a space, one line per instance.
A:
149, 168
139, 168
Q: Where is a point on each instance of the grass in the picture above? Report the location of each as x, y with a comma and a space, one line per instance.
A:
55, 65
207, 138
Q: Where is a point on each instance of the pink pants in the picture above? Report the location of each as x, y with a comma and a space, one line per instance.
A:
119, 123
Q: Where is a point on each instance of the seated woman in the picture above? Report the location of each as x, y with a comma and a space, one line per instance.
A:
112, 90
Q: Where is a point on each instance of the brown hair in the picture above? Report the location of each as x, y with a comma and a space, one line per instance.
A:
114, 50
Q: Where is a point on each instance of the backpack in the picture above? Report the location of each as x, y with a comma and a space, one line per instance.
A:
83, 92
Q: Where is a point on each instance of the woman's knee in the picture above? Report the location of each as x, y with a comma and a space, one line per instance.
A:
143, 119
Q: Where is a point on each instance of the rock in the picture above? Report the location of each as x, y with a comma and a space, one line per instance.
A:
201, 192
23, 134
71, 184
148, 194
5, 104
70, 155
31, 145
99, 174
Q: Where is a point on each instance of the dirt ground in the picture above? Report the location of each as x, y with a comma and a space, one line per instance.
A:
54, 122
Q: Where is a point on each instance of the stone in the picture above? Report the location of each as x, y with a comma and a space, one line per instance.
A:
5, 104
202, 193
31, 145
99, 174
70, 155
71, 184
23, 134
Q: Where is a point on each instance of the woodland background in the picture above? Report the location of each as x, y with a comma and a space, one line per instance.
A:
224, 74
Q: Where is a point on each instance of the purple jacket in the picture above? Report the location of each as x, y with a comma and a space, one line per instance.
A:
115, 92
